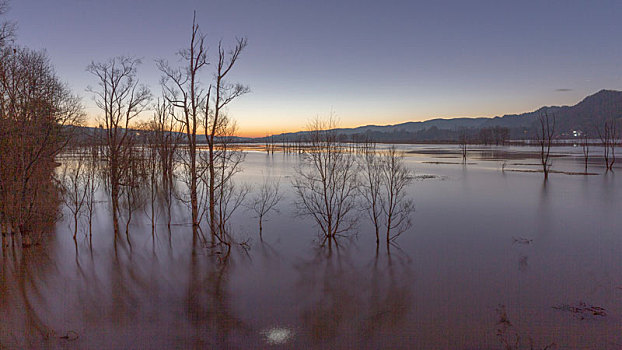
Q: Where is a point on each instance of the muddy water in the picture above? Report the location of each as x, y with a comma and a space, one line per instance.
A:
492, 250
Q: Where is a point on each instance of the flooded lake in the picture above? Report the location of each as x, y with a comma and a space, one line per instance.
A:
494, 254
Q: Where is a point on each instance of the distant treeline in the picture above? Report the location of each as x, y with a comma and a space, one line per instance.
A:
492, 135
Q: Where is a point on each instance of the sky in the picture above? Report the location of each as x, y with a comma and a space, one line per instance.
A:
367, 62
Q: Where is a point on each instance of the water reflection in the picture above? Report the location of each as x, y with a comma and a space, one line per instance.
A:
354, 305
438, 289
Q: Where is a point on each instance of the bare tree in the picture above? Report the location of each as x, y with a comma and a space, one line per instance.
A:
371, 188
183, 90
217, 124
165, 139
609, 137
396, 177
134, 178
326, 182
265, 201
546, 133
585, 146
92, 169
464, 142
121, 98
75, 182
7, 29
225, 162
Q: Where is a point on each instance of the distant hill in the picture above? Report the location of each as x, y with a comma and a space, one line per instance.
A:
585, 116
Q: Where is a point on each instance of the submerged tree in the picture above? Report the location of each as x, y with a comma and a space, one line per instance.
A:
546, 132
164, 142
463, 141
219, 129
229, 196
183, 91
265, 200
75, 179
200, 107
383, 189
371, 186
326, 182
609, 137
396, 177
121, 98
585, 147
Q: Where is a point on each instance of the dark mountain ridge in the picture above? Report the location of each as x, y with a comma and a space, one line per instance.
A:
582, 118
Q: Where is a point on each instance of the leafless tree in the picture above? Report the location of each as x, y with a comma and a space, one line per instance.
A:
326, 182
371, 187
225, 162
265, 200
546, 133
134, 179
121, 98
152, 168
7, 29
75, 182
585, 146
609, 137
92, 170
464, 143
217, 123
397, 207
183, 90
165, 138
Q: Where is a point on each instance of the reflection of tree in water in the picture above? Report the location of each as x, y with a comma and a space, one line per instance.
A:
25, 264
354, 305
390, 297
208, 303
22, 275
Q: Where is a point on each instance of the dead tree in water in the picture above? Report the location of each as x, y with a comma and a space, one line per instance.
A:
609, 138
134, 179
92, 169
396, 177
265, 201
121, 99
546, 133
75, 182
585, 146
166, 138
183, 91
464, 142
371, 185
228, 196
219, 127
326, 182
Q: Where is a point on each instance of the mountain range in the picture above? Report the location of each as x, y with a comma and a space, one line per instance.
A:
583, 118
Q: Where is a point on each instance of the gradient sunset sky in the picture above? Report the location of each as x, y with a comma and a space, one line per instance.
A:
370, 62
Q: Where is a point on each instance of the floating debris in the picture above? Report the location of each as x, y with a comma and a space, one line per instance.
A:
427, 177
583, 310
449, 163
522, 240
70, 336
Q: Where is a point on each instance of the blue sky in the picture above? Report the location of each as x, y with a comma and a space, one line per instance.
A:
371, 62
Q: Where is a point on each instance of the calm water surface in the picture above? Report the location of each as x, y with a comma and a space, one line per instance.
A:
485, 238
